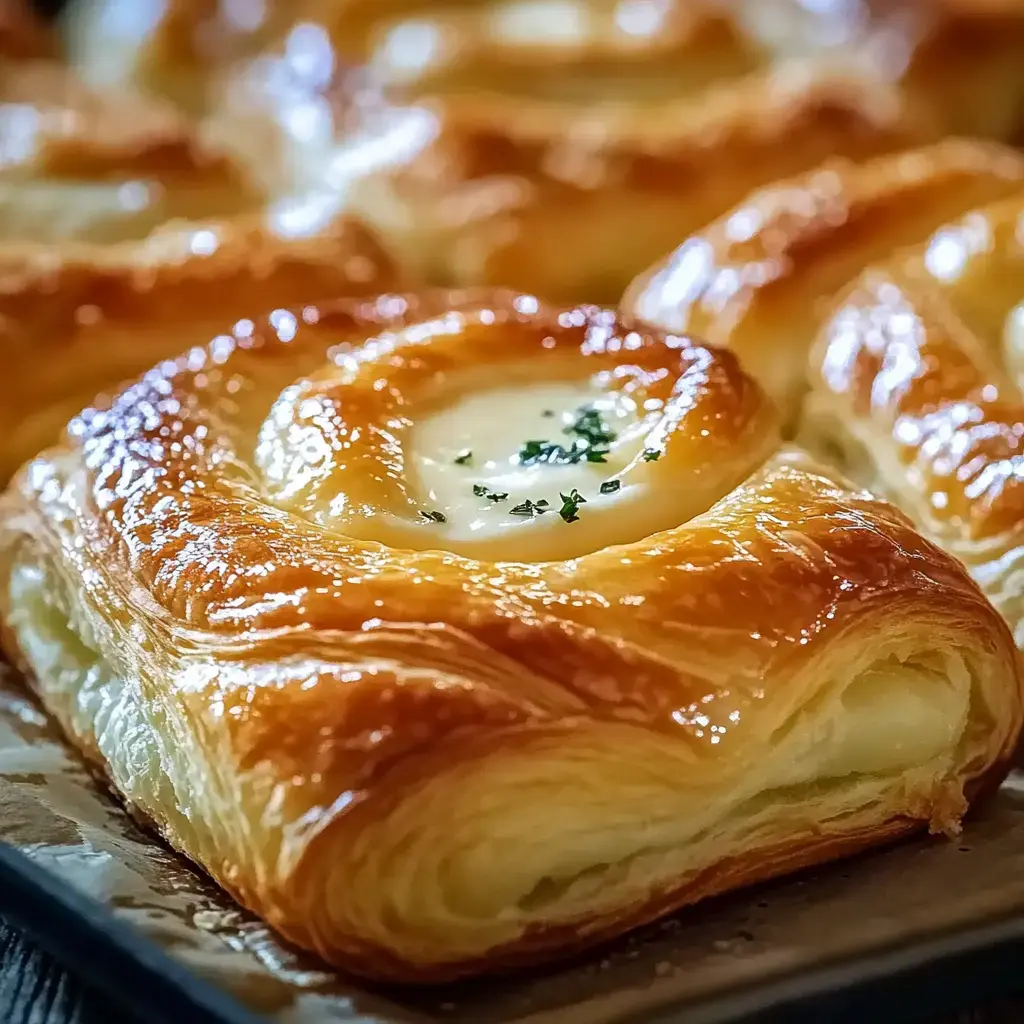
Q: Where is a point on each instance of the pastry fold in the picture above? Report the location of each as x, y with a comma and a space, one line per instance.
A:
418, 750
917, 379
762, 279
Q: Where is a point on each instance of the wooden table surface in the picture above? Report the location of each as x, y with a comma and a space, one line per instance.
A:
34, 989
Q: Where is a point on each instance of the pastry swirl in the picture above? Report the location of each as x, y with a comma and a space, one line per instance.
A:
434, 709
760, 279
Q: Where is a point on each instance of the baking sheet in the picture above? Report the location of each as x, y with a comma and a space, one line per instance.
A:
52, 811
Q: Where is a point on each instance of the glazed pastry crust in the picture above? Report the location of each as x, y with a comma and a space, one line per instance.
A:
424, 764
103, 166
761, 279
77, 320
560, 148
917, 388
505, 145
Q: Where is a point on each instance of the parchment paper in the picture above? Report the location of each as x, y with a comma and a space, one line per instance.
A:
52, 810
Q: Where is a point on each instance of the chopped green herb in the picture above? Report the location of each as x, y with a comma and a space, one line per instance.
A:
434, 516
534, 452
528, 508
610, 486
589, 426
481, 491
464, 457
570, 505
651, 455
543, 503
548, 414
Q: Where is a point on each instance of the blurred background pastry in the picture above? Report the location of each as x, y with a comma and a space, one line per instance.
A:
130, 233
558, 147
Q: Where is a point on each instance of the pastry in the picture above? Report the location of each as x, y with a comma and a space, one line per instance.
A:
917, 387
760, 278
442, 676
129, 236
560, 149
926, 332
82, 164
176, 49
78, 319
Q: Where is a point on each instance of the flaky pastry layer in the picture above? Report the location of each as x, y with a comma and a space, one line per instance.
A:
236, 593
907, 271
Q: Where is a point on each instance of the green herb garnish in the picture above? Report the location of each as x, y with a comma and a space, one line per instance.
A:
529, 508
479, 490
589, 426
610, 486
651, 455
548, 414
464, 457
547, 452
570, 505
434, 516
497, 496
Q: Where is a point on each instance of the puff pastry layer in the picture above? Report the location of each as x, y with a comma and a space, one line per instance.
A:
128, 235
428, 733
760, 279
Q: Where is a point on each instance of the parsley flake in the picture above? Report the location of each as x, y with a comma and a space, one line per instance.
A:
570, 505
464, 457
479, 490
433, 516
610, 486
528, 508
651, 455
589, 426
497, 496
547, 452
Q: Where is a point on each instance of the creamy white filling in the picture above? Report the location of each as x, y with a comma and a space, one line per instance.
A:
507, 459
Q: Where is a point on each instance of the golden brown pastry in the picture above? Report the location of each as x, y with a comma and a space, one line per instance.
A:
128, 234
914, 382
443, 675
78, 319
917, 388
103, 166
761, 279
561, 148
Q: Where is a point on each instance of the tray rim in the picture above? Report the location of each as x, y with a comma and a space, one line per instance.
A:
909, 980
139, 977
